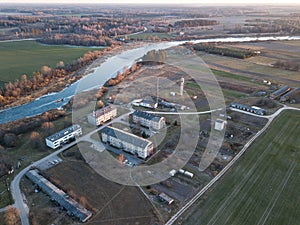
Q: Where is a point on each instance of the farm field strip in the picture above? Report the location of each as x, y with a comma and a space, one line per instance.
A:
247, 66
25, 57
262, 187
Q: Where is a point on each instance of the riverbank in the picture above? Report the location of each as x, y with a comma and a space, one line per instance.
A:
59, 84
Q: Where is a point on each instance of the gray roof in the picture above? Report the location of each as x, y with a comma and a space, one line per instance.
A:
294, 91
280, 91
126, 136
59, 196
63, 132
148, 116
102, 111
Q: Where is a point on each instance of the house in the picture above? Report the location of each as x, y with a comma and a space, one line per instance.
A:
64, 136
148, 120
127, 142
73, 208
102, 115
220, 124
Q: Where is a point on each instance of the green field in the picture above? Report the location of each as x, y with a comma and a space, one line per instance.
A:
263, 188
25, 57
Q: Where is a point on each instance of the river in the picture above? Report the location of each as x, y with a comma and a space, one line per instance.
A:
102, 73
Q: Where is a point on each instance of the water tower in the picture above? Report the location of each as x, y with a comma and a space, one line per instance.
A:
181, 86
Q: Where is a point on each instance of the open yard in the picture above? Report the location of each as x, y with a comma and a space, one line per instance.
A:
110, 202
263, 188
25, 57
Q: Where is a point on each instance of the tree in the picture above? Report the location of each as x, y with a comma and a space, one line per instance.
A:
10, 140
100, 104
12, 216
45, 70
83, 201
48, 127
144, 135
36, 139
60, 65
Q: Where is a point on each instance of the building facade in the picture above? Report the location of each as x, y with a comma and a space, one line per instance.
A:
102, 115
127, 142
148, 120
62, 137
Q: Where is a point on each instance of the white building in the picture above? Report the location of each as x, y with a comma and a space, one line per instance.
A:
127, 142
148, 120
58, 139
102, 115
220, 124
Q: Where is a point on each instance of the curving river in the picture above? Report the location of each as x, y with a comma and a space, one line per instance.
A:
102, 73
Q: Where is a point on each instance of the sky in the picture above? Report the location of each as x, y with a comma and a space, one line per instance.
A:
243, 2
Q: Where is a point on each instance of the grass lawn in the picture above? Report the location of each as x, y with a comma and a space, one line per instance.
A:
2, 218
25, 57
263, 187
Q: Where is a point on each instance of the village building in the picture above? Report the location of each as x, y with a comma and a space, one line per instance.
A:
252, 109
126, 141
148, 120
102, 115
64, 136
73, 208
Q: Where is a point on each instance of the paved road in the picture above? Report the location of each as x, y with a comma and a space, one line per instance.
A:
185, 113
229, 165
20, 202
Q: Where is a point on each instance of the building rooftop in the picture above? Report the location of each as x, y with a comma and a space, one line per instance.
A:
166, 198
280, 91
148, 116
248, 108
294, 91
126, 136
102, 111
63, 132
73, 207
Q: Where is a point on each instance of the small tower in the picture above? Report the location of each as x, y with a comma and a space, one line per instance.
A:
181, 86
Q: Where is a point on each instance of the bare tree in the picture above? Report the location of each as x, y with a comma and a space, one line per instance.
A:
12, 216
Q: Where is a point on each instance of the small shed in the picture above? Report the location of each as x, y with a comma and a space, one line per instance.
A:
220, 124
166, 198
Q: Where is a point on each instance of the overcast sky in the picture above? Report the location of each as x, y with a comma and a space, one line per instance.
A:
160, 1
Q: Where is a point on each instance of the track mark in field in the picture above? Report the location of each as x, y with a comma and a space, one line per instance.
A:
237, 189
234, 193
108, 203
276, 195
125, 218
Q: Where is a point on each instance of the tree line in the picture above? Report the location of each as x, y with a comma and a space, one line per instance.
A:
195, 23
236, 53
287, 65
